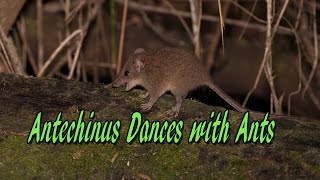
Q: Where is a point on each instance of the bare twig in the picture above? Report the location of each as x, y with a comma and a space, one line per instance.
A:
215, 39
267, 59
79, 43
96, 61
104, 41
57, 51
298, 66
276, 26
182, 21
250, 13
266, 52
196, 12
313, 97
61, 75
239, 23
21, 26
84, 72
4, 55
249, 18
40, 32
74, 12
113, 43
67, 5
5, 61
10, 56
82, 31
123, 28
78, 74
164, 37
268, 67
299, 14
92, 13
315, 47
307, 43
76, 56
221, 24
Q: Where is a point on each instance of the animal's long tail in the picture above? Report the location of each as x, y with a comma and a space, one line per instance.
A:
226, 97
238, 107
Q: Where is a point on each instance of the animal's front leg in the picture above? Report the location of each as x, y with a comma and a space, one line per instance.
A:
144, 94
152, 100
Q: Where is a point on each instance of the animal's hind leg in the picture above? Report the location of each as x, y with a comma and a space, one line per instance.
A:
174, 111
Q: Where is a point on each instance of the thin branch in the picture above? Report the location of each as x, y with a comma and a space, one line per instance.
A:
266, 52
221, 24
21, 26
313, 97
196, 11
5, 55
67, 31
10, 54
93, 11
163, 36
250, 13
211, 55
58, 50
123, 28
40, 32
267, 59
239, 23
249, 18
79, 43
78, 72
268, 67
276, 26
315, 47
298, 66
182, 21
76, 57
113, 43
74, 12
84, 72
299, 14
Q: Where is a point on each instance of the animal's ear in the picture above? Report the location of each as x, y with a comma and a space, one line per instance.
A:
139, 50
139, 64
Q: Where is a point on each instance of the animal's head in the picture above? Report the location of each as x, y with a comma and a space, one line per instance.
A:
131, 72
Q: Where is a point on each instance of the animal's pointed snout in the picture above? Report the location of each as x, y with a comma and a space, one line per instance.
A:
115, 84
119, 81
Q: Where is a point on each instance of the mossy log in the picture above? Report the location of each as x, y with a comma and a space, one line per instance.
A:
293, 153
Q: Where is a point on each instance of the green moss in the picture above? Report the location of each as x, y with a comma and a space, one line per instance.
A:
293, 153
48, 160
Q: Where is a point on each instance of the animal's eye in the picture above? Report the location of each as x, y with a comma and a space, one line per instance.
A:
126, 73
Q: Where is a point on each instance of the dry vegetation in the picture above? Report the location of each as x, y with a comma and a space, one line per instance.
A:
88, 40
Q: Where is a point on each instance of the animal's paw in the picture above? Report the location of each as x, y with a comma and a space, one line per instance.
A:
144, 95
146, 106
172, 112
